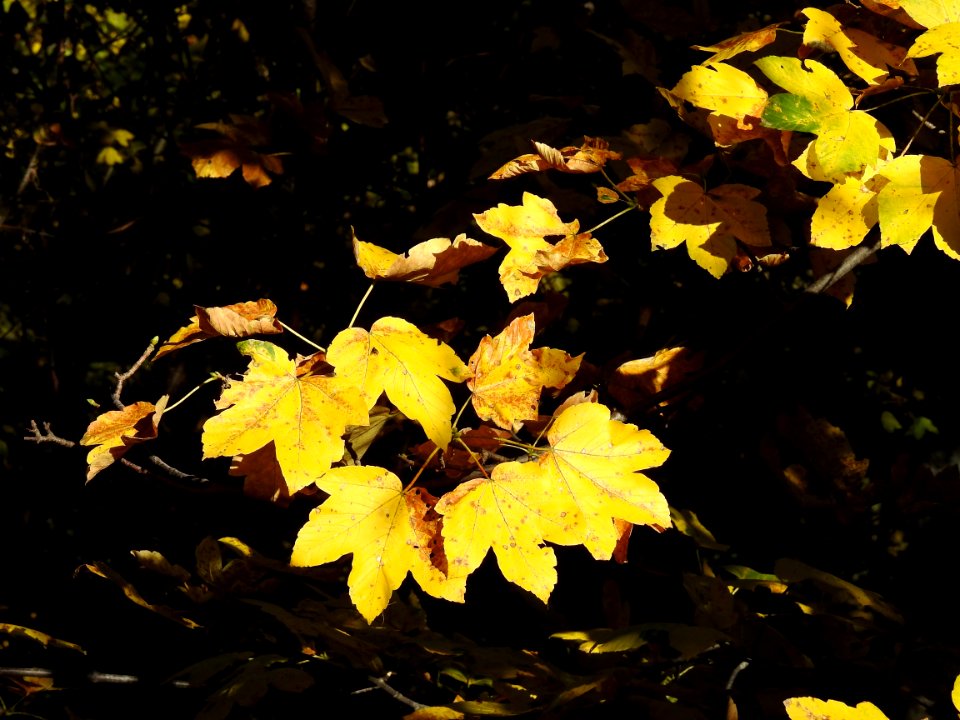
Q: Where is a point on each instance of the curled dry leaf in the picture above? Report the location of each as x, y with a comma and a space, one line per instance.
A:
240, 320
744, 42
432, 263
588, 158
116, 431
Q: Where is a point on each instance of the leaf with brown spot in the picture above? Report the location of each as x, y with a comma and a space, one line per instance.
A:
508, 377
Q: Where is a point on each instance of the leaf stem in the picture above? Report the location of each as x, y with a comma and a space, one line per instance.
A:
612, 218
360, 306
436, 449
307, 340
920, 126
208, 380
474, 458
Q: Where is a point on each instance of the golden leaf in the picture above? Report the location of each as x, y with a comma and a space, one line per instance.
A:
524, 229
302, 412
396, 357
508, 377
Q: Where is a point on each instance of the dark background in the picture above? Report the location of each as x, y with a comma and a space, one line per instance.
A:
95, 260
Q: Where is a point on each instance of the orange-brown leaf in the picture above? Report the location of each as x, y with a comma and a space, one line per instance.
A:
744, 42
240, 320
508, 377
588, 158
114, 432
432, 263
524, 229
262, 475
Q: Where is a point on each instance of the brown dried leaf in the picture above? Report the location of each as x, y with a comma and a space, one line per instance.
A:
588, 158
239, 320
744, 42
114, 432
432, 263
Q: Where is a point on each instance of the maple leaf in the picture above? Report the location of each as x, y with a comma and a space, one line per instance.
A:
588, 158
723, 89
861, 52
818, 102
810, 708
943, 37
523, 228
500, 513
432, 263
222, 157
370, 515
593, 475
239, 320
508, 377
302, 412
396, 357
636, 382
846, 214
744, 42
709, 223
922, 192
116, 431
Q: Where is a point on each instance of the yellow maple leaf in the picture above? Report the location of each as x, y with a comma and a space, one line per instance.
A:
240, 320
114, 432
304, 413
723, 89
508, 377
396, 357
846, 214
922, 192
943, 37
432, 262
500, 513
524, 229
592, 475
810, 708
861, 52
709, 223
370, 515
818, 102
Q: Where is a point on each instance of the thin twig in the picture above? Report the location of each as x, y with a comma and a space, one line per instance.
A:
124, 376
395, 694
47, 435
859, 255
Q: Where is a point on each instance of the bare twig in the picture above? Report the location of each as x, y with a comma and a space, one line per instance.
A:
124, 376
396, 694
859, 255
46, 435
